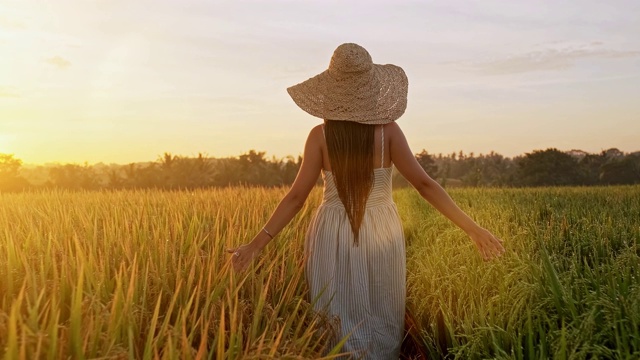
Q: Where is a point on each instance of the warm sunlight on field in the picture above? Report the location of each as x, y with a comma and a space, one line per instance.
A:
143, 274
142, 142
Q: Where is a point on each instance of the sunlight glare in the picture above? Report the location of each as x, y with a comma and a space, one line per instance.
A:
5, 143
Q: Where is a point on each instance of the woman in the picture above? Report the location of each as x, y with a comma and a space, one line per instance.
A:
355, 245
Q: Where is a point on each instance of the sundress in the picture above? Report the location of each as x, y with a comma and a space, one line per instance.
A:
360, 288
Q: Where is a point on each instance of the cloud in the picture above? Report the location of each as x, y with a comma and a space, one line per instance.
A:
9, 93
549, 59
58, 61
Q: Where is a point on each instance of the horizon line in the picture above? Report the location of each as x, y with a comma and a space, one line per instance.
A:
266, 155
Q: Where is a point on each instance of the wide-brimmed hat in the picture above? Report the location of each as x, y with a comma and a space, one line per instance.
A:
353, 88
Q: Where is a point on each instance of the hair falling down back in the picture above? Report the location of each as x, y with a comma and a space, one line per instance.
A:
351, 150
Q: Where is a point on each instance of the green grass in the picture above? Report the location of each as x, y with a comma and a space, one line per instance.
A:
568, 286
143, 274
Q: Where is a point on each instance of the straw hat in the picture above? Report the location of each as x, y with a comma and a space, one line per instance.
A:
353, 88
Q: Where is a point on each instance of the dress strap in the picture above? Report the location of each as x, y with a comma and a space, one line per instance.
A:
382, 155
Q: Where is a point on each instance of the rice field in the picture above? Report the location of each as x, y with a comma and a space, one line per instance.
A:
144, 275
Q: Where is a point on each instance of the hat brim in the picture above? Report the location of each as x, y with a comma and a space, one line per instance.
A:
377, 96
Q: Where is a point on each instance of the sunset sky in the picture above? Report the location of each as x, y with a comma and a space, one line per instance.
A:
124, 81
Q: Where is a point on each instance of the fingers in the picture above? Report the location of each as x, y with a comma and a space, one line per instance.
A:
496, 248
489, 247
498, 245
239, 266
237, 263
241, 257
237, 260
485, 255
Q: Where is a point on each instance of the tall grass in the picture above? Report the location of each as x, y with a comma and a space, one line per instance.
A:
143, 274
568, 286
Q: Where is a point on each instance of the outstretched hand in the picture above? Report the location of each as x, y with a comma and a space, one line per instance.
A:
488, 245
242, 256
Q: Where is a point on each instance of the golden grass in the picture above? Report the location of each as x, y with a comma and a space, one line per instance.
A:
144, 274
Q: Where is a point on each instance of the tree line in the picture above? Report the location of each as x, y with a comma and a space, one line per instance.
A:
167, 172
550, 167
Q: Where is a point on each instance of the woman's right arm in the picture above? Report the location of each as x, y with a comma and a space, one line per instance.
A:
488, 245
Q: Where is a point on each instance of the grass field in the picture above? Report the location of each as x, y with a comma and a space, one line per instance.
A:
143, 274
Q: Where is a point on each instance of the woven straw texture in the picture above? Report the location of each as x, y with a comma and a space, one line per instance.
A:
353, 88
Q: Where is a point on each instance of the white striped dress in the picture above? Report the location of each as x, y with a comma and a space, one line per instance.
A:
363, 286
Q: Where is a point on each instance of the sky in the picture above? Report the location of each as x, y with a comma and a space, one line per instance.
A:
123, 81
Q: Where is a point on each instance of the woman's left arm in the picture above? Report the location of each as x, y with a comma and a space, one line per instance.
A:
290, 204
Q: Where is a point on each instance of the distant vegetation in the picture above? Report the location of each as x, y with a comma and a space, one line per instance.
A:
550, 167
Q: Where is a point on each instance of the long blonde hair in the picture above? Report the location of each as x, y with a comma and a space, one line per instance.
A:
351, 149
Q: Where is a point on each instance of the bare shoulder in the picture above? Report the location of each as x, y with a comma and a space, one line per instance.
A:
316, 130
399, 149
393, 131
316, 135
392, 127
315, 139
